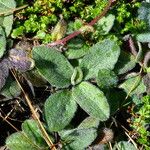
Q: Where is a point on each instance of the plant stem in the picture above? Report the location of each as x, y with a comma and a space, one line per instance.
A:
76, 33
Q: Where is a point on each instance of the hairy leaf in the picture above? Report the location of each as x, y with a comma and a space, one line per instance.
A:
59, 110
78, 139
76, 76
101, 55
20, 141
106, 79
124, 145
126, 62
6, 20
2, 42
31, 128
105, 24
4, 71
29, 139
133, 85
91, 100
76, 49
53, 66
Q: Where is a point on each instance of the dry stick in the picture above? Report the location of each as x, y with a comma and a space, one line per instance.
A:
45, 135
11, 11
74, 34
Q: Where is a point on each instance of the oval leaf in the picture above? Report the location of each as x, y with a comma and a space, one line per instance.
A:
7, 7
2, 42
92, 100
32, 130
102, 55
53, 66
19, 141
59, 110
78, 139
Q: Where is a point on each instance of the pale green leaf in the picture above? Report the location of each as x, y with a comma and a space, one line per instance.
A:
53, 66
125, 63
77, 76
32, 130
20, 141
2, 42
59, 110
6, 7
105, 24
91, 100
76, 48
124, 145
133, 85
77, 139
101, 55
106, 79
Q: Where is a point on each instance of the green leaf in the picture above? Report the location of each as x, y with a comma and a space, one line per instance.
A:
77, 76
143, 37
10, 89
59, 110
77, 139
106, 79
29, 139
6, 7
19, 141
126, 62
105, 24
133, 85
123, 145
53, 66
2, 42
31, 128
101, 55
91, 100
89, 122
76, 49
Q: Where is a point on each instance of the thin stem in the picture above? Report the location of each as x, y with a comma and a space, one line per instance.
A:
45, 135
76, 33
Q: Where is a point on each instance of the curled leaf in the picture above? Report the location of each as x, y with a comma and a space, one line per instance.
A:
20, 60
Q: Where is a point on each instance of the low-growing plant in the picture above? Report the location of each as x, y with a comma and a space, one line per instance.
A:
91, 80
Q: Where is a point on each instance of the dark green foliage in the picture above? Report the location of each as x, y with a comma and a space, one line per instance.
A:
59, 110
83, 86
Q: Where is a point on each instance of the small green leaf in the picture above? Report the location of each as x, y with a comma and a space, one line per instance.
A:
20, 141
76, 48
30, 138
77, 139
106, 79
126, 62
31, 128
2, 42
124, 145
91, 100
59, 110
53, 66
133, 85
143, 37
6, 7
105, 24
101, 55
77, 76
89, 122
